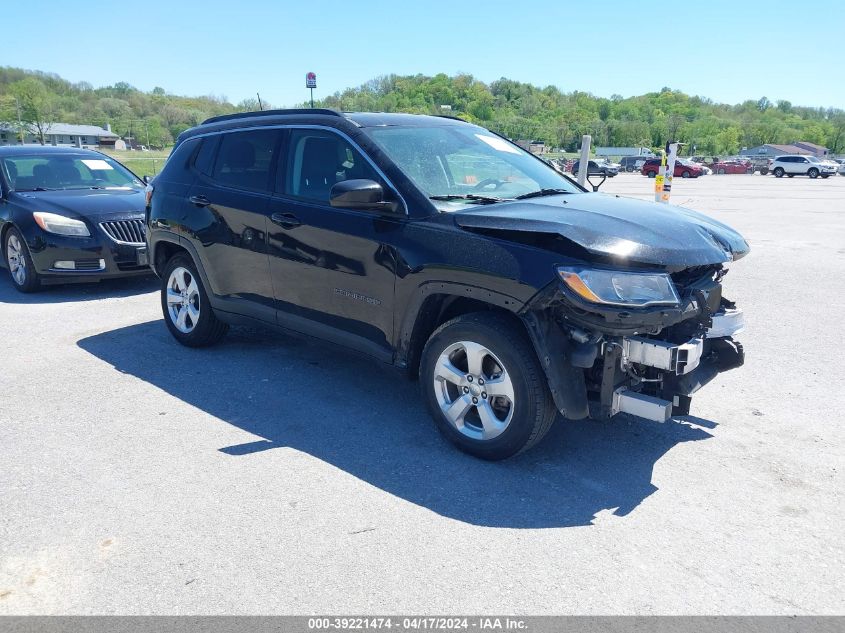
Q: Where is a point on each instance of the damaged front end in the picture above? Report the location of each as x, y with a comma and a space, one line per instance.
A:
646, 358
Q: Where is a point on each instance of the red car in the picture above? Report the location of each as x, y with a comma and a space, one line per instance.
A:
732, 167
683, 170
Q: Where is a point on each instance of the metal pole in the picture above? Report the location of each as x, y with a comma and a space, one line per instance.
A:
584, 161
312, 97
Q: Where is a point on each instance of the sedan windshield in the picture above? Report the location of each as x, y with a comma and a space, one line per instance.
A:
456, 165
49, 172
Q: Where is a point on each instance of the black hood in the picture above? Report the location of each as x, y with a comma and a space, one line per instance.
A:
89, 203
621, 229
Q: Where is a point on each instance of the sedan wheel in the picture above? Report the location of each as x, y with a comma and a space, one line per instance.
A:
778, 172
813, 173
19, 263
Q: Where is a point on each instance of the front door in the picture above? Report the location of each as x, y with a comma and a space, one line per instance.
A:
332, 269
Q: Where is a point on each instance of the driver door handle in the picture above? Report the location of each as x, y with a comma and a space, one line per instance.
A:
285, 220
200, 201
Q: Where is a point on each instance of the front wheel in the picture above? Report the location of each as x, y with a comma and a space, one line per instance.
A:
686, 174
825, 175
484, 386
764, 171
813, 172
651, 174
721, 171
19, 262
778, 172
185, 304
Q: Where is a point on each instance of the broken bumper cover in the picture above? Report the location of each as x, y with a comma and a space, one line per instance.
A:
684, 368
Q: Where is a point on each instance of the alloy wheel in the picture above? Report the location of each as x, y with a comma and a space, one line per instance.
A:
183, 300
16, 258
474, 390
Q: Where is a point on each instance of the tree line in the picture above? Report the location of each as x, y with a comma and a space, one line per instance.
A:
515, 109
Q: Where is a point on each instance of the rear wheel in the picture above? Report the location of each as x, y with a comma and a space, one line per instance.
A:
685, 174
185, 304
791, 175
19, 262
484, 386
721, 171
651, 174
813, 172
778, 172
825, 175
764, 171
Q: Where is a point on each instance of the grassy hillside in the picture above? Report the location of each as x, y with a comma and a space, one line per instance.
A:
517, 110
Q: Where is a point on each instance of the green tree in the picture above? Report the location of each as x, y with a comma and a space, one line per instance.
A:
36, 104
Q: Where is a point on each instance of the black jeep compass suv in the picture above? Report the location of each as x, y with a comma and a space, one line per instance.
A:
446, 250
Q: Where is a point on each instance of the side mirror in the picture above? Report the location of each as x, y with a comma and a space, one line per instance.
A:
147, 179
360, 193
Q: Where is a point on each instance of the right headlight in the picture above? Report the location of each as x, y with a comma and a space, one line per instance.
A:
620, 288
60, 225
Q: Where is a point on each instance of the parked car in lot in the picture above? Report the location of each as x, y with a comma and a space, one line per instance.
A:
732, 166
799, 165
438, 247
841, 168
631, 163
683, 169
69, 215
597, 167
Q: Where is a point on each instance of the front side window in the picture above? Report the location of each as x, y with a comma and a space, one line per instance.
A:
463, 160
38, 172
317, 160
245, 159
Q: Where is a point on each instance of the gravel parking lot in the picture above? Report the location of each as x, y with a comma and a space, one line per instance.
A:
272, 475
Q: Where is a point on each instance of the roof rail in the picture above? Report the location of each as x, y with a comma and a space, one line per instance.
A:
246, 115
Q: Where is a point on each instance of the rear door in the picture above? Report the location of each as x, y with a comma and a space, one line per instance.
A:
228, 224
332, 268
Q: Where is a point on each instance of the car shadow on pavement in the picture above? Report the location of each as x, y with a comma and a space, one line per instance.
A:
64, 293
368, 420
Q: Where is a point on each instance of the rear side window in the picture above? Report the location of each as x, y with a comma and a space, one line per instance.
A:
245, 159
318, 159
204, 162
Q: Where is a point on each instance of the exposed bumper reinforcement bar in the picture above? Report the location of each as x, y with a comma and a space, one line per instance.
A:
677, 359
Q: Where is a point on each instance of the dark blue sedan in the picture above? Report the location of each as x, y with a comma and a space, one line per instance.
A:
69, 215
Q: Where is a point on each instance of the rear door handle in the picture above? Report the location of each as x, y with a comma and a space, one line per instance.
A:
200, 201
285, 220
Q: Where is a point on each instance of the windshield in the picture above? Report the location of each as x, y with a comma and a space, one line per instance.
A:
813, 159
48, 172
467, 165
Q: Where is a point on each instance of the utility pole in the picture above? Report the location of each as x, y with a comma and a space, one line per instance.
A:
260, 105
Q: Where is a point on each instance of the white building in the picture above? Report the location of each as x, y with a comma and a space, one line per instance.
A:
66, 134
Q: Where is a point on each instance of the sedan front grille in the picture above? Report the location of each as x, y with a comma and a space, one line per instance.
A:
125, 231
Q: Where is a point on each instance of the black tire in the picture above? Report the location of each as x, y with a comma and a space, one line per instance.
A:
750, 170
764, 171
791, 175
778, 172
532, 412
813, 172
651, 174
629, 169
825, 175
30, 281
208, 329
685, 174
721, 171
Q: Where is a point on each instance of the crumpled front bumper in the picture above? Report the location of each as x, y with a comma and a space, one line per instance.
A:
682, 369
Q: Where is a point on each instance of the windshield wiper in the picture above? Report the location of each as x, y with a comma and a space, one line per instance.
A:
38, 189
470, 196
542, 192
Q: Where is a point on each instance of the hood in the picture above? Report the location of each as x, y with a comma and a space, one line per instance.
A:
622, 229
88, 203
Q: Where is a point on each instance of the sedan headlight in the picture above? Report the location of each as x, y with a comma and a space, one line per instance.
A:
618, 288
60, 225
